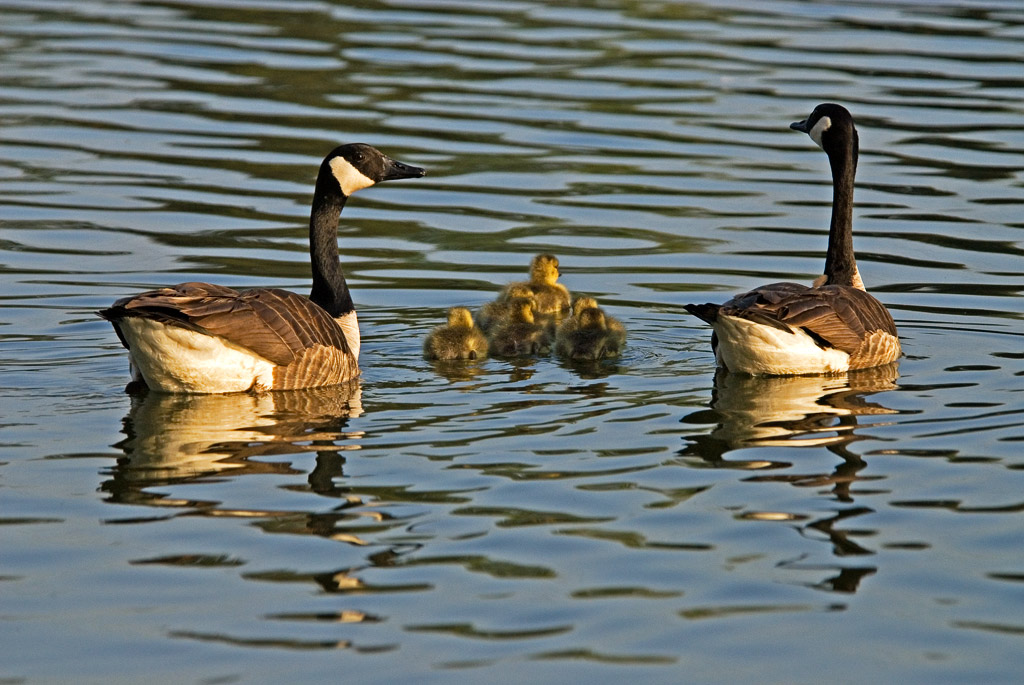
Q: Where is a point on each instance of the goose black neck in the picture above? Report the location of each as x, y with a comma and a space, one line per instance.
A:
330, 290
840, 263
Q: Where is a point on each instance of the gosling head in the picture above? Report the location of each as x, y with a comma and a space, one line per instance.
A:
581, 304
460, 317
521, 309
592, 318
544, 269
357, 165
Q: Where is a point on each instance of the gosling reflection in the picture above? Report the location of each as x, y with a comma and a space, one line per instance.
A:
458, 371
795, 411
172, 438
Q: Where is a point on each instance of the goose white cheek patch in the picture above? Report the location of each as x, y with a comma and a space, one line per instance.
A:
349, 178
819, 129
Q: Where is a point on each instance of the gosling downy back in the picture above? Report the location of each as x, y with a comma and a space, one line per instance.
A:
520, 334
494, 312
589, 334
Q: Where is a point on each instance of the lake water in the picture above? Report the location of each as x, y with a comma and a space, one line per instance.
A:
527, 520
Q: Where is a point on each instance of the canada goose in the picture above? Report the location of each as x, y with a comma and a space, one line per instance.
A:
589, 333
786, 329
552, 297
203, 338
460, 339
520, 334
493, 312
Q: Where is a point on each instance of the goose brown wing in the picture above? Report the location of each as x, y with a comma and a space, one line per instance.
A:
275, 324
838, 316
758, 305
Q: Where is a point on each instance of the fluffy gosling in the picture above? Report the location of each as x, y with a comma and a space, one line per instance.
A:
589, 334
552, 297
493, 313
520, 334
458, 339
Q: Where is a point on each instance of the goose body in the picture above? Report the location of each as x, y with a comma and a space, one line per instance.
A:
551, 296
459, 339
205, 338
832, 326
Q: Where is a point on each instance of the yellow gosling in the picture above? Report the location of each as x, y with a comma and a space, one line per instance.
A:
552, 297
520, 334
589, 334
496, 311
459, 339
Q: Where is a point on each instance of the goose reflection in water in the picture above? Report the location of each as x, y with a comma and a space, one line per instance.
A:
173, 438
757, 412
788, 412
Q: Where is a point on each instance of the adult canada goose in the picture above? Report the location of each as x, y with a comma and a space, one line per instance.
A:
459, 339
589, 333
520, 334
785, 329
203, 338
552, 297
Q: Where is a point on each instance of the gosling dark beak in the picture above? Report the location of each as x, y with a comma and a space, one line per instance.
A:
800, 126
394, 171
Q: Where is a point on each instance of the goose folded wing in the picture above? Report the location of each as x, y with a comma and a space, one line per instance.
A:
759, 305
275, 324
837, 316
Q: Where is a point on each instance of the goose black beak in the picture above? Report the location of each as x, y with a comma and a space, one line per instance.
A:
394, 171
800, 126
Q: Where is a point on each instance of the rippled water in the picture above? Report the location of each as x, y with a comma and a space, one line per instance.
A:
531, 520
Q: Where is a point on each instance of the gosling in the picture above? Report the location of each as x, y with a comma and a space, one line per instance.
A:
493, 313
459, 339
589, 334
552, 297
520, 334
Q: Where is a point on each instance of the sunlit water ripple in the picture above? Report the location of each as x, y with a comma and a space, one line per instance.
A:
640, 517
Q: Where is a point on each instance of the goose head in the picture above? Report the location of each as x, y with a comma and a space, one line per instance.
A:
357, 165
830, 126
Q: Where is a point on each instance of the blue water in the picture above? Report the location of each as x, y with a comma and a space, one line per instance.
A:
513, 520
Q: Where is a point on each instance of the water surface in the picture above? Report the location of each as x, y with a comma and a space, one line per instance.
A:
533, 519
